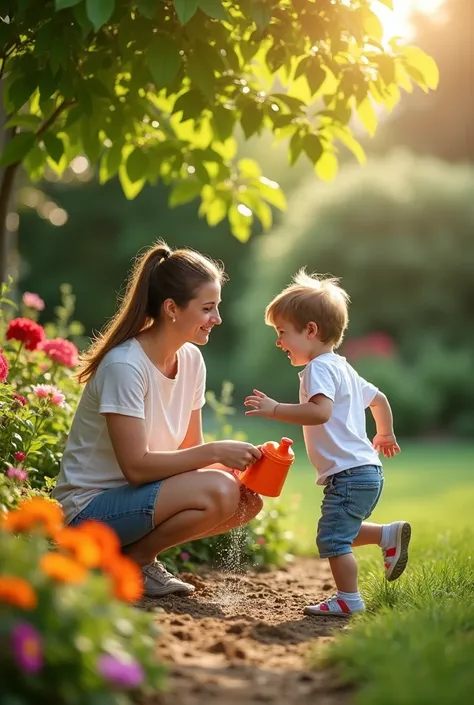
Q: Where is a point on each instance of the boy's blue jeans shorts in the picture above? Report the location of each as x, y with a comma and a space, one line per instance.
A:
349, 499
128, 510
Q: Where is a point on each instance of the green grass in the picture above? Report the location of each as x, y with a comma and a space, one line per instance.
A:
415, 644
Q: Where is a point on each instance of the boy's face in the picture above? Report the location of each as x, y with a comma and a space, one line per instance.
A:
297, 345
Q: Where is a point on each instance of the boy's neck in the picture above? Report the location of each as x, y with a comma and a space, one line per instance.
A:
321, 349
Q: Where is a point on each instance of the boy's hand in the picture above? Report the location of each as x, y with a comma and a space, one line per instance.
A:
386, 444
262, 405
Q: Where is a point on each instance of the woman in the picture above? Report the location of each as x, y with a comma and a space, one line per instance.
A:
135, 457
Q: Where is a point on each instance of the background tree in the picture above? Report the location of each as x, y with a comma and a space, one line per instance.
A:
155, 89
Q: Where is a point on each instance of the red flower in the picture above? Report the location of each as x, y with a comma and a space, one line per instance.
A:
19, 456
61, 350
26, 331
3, 367
371, 345
21, 400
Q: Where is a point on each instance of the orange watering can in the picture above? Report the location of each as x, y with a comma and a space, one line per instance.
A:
267, 475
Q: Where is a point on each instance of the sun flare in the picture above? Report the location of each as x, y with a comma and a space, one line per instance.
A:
397, 23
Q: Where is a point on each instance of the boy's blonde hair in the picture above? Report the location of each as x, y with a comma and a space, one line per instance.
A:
312, 298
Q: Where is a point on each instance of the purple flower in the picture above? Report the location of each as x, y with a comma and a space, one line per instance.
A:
184, 555
124, 674
27, 648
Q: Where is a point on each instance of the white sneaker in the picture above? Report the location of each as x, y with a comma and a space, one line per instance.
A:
158, 581
333, 607
396, 556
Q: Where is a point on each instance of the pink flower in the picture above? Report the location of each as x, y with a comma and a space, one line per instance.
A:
27, 648
19, 456
184, 555
3, 367
33, 301
371, 345
261, 540
61, 350
50, 393
26, 331
17, 474
121, 673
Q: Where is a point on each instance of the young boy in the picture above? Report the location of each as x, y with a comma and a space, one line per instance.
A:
310, 317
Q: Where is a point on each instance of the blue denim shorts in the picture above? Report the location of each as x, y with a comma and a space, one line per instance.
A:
128, 510
349, 498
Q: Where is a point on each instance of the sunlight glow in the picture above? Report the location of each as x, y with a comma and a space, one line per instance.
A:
398, 22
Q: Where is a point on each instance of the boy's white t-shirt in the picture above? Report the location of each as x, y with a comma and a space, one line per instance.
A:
342, 442
126, 382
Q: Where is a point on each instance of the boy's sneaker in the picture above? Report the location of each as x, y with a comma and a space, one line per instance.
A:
159, 582
396, 556
333, 607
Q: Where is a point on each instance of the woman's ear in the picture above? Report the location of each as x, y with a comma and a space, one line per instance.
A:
312, 330
170, 309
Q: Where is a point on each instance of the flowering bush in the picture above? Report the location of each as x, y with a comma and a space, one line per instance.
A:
65, 635
38, 395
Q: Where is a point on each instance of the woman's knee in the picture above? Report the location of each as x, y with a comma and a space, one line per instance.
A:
223, 494
251, 504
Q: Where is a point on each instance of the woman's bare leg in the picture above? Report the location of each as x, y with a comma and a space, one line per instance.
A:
188, 505
249, 506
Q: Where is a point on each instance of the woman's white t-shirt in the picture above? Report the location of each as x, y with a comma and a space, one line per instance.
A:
126, 382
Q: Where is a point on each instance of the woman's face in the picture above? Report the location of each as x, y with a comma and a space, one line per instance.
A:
201, 314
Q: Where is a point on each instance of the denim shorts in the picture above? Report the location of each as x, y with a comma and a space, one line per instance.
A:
349, 498
128, 510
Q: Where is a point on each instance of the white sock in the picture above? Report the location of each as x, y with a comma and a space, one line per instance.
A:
389, 535
352, 599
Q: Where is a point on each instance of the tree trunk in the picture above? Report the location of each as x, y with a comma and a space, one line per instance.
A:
7, 179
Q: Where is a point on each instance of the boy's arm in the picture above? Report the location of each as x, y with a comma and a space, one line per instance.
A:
384, 441
316, 411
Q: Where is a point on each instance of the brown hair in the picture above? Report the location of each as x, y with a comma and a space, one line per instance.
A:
159, 274
312, 298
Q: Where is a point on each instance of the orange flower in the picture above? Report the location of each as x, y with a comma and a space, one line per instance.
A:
128, 580
32, 512
17, 592
83, 547
105, 538
62, 568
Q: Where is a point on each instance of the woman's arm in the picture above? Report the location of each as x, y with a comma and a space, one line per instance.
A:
194, 437
140, 465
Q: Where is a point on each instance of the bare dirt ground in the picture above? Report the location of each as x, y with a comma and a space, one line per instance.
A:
244, 639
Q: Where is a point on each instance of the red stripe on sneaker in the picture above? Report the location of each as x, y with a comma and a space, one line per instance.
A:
343, 606
324, 607
387, 565
391, 552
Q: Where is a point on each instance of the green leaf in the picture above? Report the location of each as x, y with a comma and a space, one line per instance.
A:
185, 9
164, 60
240, 219
21, 90
63, 4
272, 193
213, 8
251, 119
99, 12
137, 165
422, 62
184, 191
313, 147
191, 104
110, 163
17, 148
327, 167
223, 121
387, 3
372, 25
315, 76
215, 211
256, 203
249, 168
294, 104
131, 190
147, 8
54, 146
261, 12
296, 147
367, 116
345, 136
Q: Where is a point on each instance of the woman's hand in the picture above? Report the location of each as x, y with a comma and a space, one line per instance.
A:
236, 455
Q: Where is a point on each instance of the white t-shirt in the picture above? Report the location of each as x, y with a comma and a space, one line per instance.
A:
341, 443
126, 382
